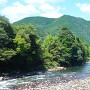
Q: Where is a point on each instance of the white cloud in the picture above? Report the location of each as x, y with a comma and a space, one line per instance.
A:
50, 11
46, 7
3, 1
39, 2
35, 2
84, 7
56, 1
18, 11
29, 8
53, 14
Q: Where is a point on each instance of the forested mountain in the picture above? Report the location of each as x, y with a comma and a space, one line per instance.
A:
21, 48
46, 26
19, 51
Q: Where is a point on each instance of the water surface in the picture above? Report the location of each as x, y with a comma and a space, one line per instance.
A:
72, 73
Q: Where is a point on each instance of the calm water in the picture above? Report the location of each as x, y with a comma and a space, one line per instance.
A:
68, 74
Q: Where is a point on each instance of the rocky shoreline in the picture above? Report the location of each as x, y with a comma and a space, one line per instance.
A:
56, 69
77, 84
8, 76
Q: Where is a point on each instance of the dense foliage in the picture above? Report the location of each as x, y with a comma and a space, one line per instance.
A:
45, 26
64, 50
22, 49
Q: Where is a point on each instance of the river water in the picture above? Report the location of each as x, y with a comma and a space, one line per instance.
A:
72, 73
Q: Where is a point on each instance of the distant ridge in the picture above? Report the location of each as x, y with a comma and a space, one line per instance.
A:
79, 26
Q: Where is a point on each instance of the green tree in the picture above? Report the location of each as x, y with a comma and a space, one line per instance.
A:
74, 52
6, 39
28, 47
50, 52
21, 44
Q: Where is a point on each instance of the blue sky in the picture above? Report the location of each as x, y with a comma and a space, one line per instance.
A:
18, 9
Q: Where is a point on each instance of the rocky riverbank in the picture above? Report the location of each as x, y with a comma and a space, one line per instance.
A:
14, 75
56, 69
56, 84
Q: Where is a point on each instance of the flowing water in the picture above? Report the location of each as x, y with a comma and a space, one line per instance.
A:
78, 72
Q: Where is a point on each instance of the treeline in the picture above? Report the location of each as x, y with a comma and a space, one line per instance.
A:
21, 49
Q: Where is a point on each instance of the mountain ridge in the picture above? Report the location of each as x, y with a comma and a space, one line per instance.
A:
79, 26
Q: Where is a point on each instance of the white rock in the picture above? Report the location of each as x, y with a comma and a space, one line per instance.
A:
1, 78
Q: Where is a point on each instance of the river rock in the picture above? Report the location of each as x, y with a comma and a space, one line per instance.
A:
82, 84
57, 69
1, 78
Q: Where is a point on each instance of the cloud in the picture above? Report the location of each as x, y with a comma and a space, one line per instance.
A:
3, 1
39, 2
35, 2
84, 7
56, 1
50, 11
53, 14
46, 7
29, 8
18, 11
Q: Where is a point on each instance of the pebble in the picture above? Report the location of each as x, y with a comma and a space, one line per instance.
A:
1, 78
81, 84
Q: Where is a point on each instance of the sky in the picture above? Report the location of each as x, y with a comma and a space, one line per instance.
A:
16, 10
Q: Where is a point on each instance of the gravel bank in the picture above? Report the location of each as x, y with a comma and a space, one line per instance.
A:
81, 84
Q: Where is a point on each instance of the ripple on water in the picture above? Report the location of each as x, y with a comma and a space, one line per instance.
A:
51, 77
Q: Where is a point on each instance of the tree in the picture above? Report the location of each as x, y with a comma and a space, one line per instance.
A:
74, 52
35, 51
64, 50
6, 39
6, 33
21, 44
50, 52
28, 47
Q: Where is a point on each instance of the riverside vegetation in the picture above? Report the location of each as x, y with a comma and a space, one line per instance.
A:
22, 49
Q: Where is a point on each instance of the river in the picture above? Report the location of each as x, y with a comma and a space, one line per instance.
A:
71, 73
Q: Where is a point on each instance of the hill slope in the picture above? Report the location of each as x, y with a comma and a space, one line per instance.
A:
78, 26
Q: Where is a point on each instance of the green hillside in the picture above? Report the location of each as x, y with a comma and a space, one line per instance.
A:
45, 26
21, 48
